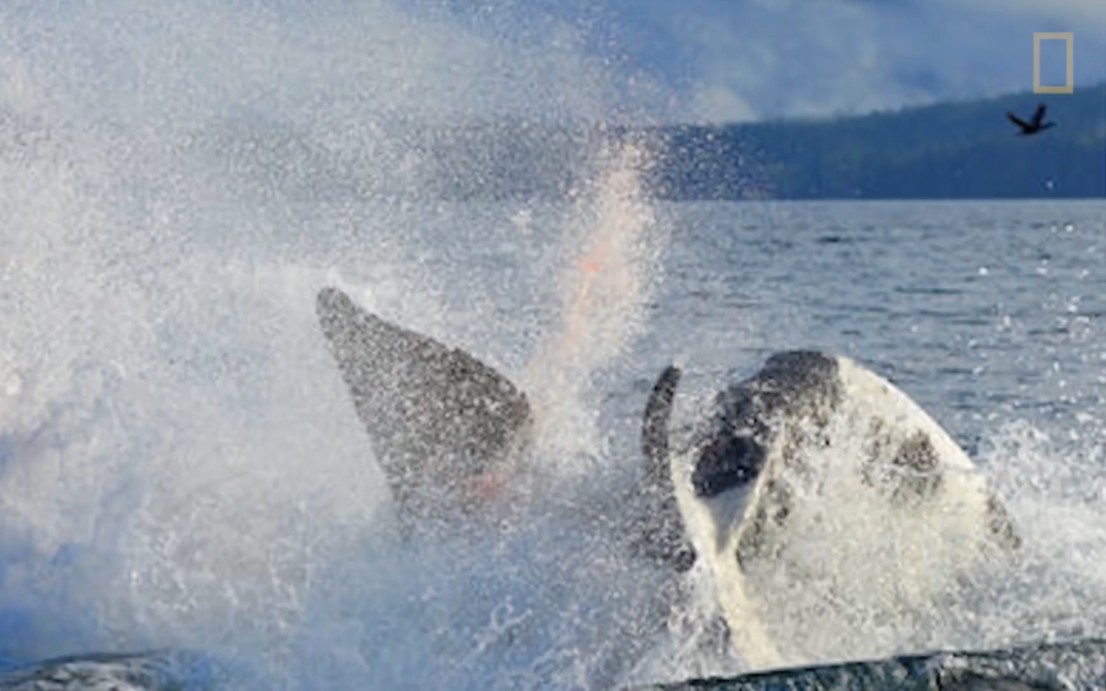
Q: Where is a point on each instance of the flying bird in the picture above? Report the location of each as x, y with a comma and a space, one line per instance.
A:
1033, 126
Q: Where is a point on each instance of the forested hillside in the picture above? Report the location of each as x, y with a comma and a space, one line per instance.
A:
949, 150
943, 151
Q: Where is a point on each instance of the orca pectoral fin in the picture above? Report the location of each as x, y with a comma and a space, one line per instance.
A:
442, 422
659, 533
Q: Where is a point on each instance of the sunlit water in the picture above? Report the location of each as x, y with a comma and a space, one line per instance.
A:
181, 467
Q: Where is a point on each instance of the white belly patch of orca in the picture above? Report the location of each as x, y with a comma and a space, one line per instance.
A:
813, 491
817, 491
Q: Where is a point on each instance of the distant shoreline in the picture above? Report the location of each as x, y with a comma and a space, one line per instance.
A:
954, 150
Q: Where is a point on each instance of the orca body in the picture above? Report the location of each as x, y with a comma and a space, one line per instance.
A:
815, 484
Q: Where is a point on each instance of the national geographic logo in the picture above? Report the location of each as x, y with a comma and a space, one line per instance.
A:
1069, 63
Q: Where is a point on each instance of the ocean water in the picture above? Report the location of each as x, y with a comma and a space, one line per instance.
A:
181, 467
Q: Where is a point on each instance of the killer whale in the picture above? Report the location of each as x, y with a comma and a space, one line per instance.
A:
728, 490
805, 427
445, 427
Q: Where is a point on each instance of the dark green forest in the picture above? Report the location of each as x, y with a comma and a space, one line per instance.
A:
944, 151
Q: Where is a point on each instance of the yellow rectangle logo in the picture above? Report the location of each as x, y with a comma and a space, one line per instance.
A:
1069, 84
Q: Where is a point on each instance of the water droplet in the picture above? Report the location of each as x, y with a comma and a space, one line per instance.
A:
13, 384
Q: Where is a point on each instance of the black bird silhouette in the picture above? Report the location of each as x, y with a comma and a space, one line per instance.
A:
1033, 126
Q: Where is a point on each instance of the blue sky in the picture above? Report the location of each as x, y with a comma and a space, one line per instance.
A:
731, 60
356, 62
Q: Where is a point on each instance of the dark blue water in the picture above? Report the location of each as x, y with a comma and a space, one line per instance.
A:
979, 309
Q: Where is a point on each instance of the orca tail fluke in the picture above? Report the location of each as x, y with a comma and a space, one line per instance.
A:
659, 533
443, 423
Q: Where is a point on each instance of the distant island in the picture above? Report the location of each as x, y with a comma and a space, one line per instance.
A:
955, 150
961, 150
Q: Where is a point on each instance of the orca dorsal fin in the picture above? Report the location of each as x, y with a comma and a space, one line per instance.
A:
442, 422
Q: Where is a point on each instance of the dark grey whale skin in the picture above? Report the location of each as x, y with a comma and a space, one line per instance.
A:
659, 533
438, 418
731, 444
796, 385
1053, 666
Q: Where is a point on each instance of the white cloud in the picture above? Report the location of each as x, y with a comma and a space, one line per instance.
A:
716, 103
1076, 11
771, 58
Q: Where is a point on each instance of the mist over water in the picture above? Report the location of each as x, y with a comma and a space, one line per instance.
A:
180, 463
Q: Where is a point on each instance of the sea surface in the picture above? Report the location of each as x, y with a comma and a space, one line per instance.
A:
181, 467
